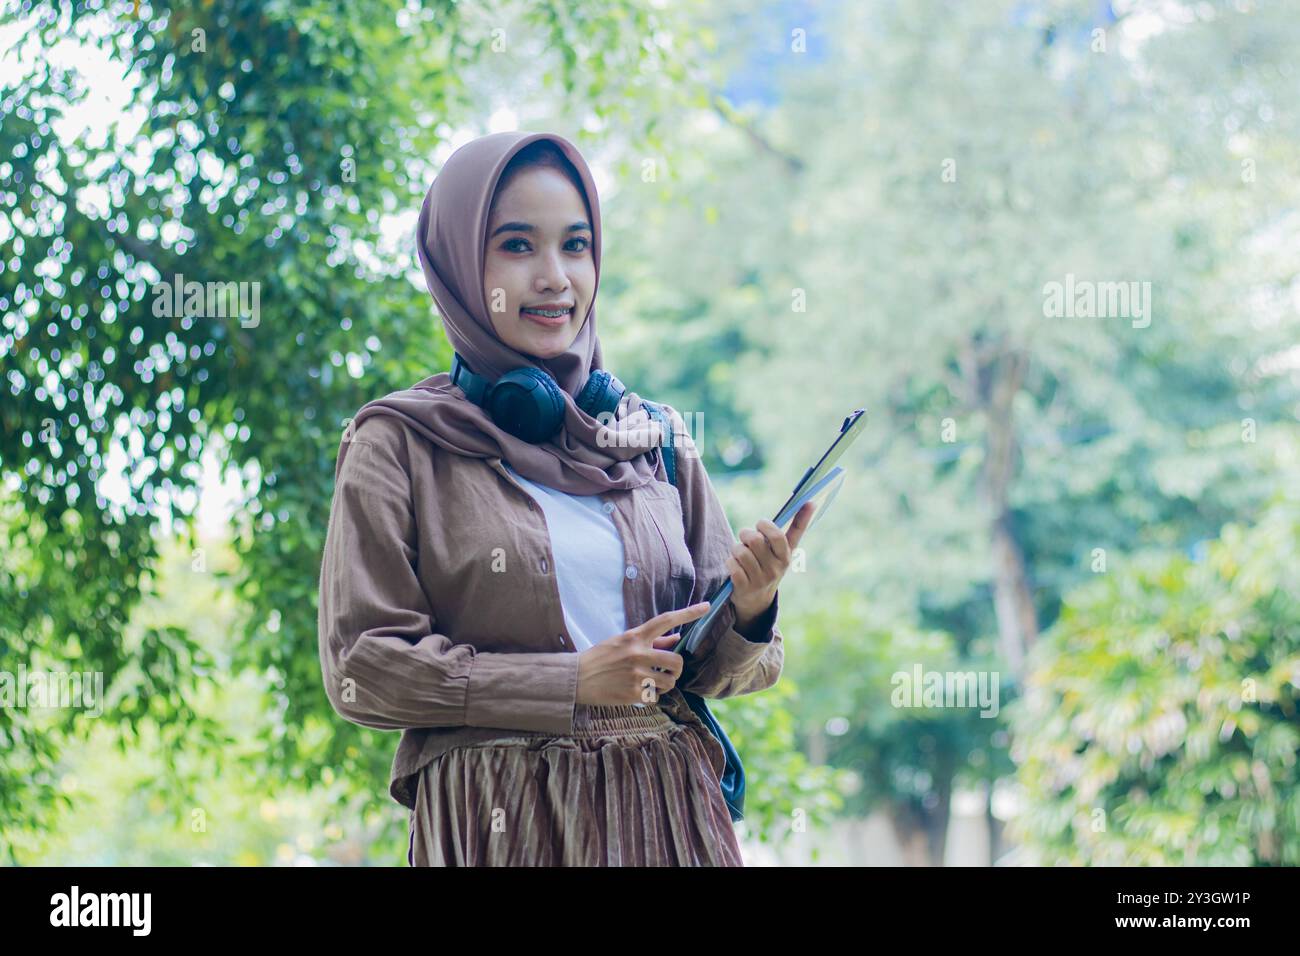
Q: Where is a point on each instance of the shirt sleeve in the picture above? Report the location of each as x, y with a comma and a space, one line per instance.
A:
726, 663
384, 664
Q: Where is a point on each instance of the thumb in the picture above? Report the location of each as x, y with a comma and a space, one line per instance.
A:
800, 524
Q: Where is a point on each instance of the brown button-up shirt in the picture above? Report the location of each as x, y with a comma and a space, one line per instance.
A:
440, 613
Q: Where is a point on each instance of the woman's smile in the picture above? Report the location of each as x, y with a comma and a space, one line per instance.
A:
550, 316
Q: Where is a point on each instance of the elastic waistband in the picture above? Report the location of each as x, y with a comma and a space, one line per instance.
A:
591, 720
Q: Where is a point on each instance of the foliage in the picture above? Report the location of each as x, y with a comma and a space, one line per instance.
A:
1159, 725
831, 264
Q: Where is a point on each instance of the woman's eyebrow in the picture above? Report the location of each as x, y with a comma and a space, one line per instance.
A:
529, 227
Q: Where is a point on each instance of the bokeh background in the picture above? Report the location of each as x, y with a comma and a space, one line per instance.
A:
809, 207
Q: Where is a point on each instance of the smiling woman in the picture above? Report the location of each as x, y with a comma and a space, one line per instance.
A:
499, 582
539, 276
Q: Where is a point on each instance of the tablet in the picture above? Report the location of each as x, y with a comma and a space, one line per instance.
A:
820, 483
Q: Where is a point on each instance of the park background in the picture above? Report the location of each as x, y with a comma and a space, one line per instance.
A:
809, 207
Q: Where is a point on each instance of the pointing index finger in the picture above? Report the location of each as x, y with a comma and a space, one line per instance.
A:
662, 623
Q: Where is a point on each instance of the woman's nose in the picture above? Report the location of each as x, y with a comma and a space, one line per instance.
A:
551, 276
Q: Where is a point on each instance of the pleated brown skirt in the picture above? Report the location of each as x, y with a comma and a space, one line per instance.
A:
630, 787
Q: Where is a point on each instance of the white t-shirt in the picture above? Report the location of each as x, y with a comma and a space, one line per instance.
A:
588, 555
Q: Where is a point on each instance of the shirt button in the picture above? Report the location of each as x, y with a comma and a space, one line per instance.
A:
607, 507
631, 572
532, 506
544, 565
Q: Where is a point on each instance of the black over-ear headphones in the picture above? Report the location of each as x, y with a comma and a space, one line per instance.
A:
528, 403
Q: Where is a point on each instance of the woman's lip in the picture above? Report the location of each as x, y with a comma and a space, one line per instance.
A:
550, 323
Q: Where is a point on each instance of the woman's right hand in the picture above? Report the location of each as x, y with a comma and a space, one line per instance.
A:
636, 666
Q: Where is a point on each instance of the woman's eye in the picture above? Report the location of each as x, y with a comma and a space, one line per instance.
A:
509, 244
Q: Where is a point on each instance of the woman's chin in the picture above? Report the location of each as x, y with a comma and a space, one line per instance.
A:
553, 345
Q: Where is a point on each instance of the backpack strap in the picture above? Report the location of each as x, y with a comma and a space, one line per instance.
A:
732, 783
668, 449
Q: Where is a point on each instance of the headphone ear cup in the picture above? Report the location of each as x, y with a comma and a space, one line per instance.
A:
527, 403
602, 393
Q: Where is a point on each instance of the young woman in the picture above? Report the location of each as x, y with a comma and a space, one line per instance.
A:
506, 558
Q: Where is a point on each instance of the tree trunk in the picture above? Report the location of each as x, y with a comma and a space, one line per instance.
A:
923, 834
909, 833
936, 822
1013, 600
995, 827
998, 382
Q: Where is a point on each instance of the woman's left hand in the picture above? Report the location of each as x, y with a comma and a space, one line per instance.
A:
760, 559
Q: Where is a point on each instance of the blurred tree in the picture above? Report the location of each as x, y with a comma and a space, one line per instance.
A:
1159, 725
905, 758
885, 236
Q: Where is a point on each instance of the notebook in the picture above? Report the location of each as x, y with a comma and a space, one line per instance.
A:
820, 483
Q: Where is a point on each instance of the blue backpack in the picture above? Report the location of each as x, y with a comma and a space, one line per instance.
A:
733, 777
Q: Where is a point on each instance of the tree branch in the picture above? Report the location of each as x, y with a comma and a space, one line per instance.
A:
724, 109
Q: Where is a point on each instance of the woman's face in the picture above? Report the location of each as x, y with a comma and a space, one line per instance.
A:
538, 256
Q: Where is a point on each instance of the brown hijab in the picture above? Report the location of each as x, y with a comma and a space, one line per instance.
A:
585, 456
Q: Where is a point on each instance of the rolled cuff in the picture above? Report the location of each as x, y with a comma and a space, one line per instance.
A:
762, 626
728, 664
523, 691
732, 651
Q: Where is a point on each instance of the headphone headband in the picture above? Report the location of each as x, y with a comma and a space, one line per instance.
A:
528, 403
